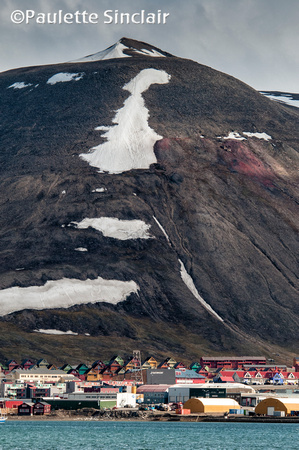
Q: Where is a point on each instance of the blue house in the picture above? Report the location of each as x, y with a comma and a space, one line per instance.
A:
278, 378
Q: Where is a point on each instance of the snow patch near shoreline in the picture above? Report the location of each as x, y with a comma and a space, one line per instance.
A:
65, 293
63, 77
191, 286
116, 228
130, 142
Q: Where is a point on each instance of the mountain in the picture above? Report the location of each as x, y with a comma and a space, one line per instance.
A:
286, 98
147, 201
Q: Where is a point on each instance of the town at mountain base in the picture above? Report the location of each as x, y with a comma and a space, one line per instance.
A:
148, 200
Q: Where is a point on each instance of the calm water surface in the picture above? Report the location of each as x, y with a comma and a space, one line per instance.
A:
147, 435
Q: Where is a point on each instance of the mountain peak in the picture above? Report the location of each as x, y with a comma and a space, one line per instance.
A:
126, 48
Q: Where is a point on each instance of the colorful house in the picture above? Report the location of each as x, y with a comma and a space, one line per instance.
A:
12, 364
149, 363
82, 369
66, 368
195, 366
26, 409
93, 374
117, 359
27, 364
42, 363
41, 409
231, 362
168, 363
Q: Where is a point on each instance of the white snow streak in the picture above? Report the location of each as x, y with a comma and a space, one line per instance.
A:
283, 99
57, 332
264, 136
81, 249
116, 228
130, 142
63, 77
162, 229
99, 190
65, 293
151, 52
191, 286
19, 85
115, 51
234, 135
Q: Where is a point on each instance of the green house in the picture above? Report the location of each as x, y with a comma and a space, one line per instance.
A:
82, 369
42, 363
66, 368
118, 359
195, 366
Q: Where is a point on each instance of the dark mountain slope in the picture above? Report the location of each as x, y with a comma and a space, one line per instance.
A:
226, 208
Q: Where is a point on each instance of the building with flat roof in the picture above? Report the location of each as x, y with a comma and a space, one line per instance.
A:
41, 375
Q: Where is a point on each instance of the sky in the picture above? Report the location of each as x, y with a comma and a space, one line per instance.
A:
256, 41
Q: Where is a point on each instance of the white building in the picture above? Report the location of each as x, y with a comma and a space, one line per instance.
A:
41, 375
182, 392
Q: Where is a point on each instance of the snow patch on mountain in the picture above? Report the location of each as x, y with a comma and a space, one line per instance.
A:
162, 229
151, 52
234, 135
283, 98
130, 142
115, 51
116, 228
65, 293
63, 77
191, 286
99, 190
56, 332
19, 85
81, 249
264, 136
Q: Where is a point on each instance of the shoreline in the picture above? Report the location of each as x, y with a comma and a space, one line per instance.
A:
148, 416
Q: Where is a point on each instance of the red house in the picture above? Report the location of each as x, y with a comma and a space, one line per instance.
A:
231, 362
27, 363
26, 409
12, 364
41, 409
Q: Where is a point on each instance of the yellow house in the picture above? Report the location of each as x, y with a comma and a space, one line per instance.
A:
211, 405
93, 375
150, 363
282, 404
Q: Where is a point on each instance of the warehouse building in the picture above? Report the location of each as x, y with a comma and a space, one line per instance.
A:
182, 392
211, 405
283, 406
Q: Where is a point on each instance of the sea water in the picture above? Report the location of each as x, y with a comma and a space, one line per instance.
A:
94, 435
